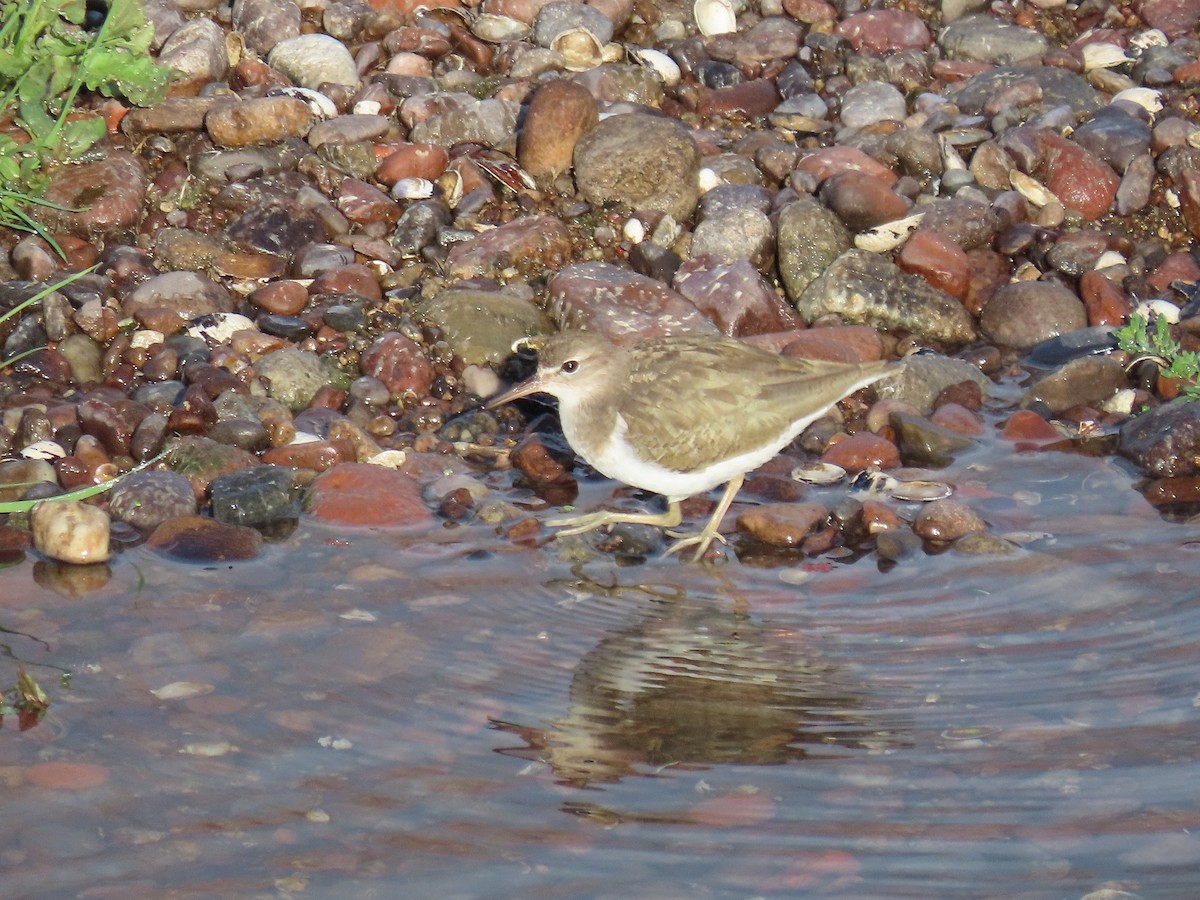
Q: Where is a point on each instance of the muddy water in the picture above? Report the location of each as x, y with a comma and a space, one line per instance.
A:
362, 714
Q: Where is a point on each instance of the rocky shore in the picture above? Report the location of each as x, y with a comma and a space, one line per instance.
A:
315, 256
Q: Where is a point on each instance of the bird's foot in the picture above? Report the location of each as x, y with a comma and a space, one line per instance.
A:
607, 518
698, 539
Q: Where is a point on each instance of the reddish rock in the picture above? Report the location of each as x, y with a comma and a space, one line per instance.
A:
620, 304
1024, 313
529, 245
362, 494
1029, 431
1081, 180
283, 298
355, 278
1105, 301
862, 201
413, 161
734, 295
316, 456
845, 343
1188, 188
783, 524
862, 451
830, 161
881, 30
1179, 266
399, 363
1174, 17
957, 418
257, 121
947, 520
989, 271
748, 100
559, 114
363, 203
537, 460
201, 539
878, 516
952, 70
937, 259
810, 12
96, 197
1169, 491
67, 776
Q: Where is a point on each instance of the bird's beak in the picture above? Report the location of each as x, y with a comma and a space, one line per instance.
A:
532, 385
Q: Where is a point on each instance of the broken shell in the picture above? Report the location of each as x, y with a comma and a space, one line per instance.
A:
707, 179
412, 189
1144, 40
218, 328
498, 29
1109, 258
657, 62
45, 450
1031, 189
889, 235
318, 104
1103, 55
1153, 309
579, 49
818, 473
634, 231
951, 158
922, 491
714, 17
1147, 98
367, 108
509, 174
872, 481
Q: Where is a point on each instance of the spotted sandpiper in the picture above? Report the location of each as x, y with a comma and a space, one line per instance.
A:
680, 415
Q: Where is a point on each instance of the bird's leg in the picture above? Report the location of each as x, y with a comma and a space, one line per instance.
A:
701, 539
607, 518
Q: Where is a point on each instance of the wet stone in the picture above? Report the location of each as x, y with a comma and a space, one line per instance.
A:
294, 376
878, 31
862, 202
257, 496
1082, 382
189, 294
199, 539
1059, 87
481, 326
966, 222
783, 524
1021, 315
148, 498
862, 451
871, 102
18, 475
200, 460
98, 197
993, 40
399, 363
863, 287
1114, 136
1078, 178
247, 434
921, 442
810, 238
937, 259
1164, 442
197, 51
734, 296
277, 227
360, 494
739, 234
947, 520
620, 304
531, 244
641, 161
70, 531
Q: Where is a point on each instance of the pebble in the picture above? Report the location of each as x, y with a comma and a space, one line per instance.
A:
258, 496
197, 51
399, 363
70, 531
482, 326
879, 31
988, 39
783, 524
734, 296
862, 451
262, 120
946, 521
1164, 442
311, 60
810, 237
872, 102
641, 161
1078, 178
738, 234
939, 260
264, 23
529, 245
924, 443
1022, 314
293, 377
364, 495
1081, 382
96, 197
147, 499
200, 539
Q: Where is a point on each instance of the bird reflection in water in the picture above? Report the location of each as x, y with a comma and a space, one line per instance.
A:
690, 685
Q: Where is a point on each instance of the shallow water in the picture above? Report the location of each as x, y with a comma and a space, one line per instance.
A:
360, 714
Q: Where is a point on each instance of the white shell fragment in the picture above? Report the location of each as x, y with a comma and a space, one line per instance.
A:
1103, 55
889, 235
1144, 40
922, 491
818, 473
1147, 98
579, 48
318, 104
367, 108
498, 29
657, 62
1109, 258
219, 328
707, 179
714, 17
1153, 309
634, 231
1031, 189
45, 450
412, 189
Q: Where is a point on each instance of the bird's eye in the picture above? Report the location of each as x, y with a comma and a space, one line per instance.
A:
571, 365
